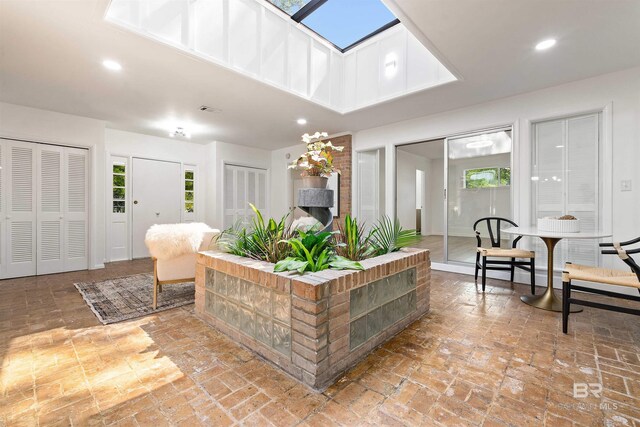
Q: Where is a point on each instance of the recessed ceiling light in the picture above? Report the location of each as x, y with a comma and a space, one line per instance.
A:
302, 121
112, 65
545, 44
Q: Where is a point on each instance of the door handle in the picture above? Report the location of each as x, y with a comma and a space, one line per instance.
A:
135, 202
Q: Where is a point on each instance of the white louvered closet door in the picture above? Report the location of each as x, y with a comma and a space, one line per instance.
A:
50, 215
244, 185
20, 226
567, 180
75, 209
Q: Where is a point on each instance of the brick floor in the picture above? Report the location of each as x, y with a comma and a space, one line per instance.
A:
474, 360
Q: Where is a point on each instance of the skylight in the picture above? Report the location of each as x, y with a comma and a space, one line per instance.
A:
343, 23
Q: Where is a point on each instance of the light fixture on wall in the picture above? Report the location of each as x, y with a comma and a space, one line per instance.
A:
546, 44
112, 65
302, 121
179, 132
390, 65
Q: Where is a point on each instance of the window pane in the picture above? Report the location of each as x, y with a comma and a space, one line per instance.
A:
345, 22
290, 6
118, 168
188, 207
481, 178
188, 185
118, 193
188, 195
118, 180
188, 174
118, 207
505, 176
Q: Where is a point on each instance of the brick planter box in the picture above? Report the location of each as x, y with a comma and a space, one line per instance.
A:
317, 325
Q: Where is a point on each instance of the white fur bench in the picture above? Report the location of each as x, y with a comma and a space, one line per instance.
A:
173, 248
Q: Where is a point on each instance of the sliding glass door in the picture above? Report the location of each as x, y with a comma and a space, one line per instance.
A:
444, 186
478, 184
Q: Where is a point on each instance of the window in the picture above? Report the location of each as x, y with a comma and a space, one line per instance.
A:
119, 187
189, 190
342, 23
487, 177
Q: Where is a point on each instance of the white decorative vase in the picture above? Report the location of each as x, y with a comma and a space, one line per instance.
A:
314, 181
556, 225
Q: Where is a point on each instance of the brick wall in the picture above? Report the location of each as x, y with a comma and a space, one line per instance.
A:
343, 162
317, 347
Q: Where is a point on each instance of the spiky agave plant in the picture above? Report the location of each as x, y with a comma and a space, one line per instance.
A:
389, 236
263, 241
352, 242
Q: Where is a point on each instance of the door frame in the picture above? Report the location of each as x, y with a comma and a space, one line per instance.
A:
91, 199
446, 188
226, 163
129, 201
453, 267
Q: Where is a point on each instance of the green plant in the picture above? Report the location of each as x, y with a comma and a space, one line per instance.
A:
314, 252
352, 243
264, 241
389, 236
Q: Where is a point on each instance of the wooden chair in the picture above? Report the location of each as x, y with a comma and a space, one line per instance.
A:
495, 251
601, 275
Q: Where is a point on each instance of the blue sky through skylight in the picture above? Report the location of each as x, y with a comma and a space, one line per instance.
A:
344, 22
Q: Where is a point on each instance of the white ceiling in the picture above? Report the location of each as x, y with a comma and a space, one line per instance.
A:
51, 53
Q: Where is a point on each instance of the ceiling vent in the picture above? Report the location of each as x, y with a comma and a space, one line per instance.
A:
209, 109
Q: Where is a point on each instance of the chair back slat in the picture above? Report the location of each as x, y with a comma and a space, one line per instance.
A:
491, 222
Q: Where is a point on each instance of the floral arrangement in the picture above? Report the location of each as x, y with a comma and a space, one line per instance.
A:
318, 160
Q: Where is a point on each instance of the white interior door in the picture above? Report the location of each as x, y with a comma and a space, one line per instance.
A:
50, 217
21, 210
157, 196
244, 185
75, 215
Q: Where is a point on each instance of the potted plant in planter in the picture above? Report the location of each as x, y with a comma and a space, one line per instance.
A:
317, 163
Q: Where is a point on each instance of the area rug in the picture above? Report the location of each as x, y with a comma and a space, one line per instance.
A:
130, 297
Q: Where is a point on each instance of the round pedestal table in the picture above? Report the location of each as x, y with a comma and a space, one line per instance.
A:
548, 300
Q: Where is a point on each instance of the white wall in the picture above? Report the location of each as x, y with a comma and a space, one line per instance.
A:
281, 181
36, 125
617, 92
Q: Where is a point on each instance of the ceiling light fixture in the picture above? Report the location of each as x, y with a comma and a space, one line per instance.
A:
302, 121
112, 65
480, 144
180, 132
546, 44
